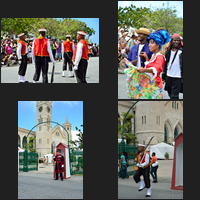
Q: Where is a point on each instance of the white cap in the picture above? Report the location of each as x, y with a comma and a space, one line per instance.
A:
21, 34
141, 145
68, 35
42, 29
81, 32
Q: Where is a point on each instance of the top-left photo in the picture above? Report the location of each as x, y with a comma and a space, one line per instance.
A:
49, 50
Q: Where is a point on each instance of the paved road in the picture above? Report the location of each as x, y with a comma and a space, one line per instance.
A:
122, 90
10, 74
128, 189
35, 185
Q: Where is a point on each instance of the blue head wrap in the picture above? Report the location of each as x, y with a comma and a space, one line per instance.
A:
160, 37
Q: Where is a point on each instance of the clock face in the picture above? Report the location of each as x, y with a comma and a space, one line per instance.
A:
48, 109
40, 109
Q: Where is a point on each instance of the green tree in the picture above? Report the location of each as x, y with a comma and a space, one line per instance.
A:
130, 138
78, 144
30, 144
145, 17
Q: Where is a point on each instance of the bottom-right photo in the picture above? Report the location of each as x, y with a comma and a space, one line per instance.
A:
150, 149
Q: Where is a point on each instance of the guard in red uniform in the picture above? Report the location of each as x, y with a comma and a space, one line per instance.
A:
67, 52
80, 57
59, 164
41, 51
143, 163
22, 51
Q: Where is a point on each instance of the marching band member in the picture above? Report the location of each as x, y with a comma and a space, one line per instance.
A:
22, 51
41, 51
143, 164
67, 52
80, 57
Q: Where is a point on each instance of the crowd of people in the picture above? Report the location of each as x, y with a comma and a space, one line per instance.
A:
40, 51
9, 50
157, 53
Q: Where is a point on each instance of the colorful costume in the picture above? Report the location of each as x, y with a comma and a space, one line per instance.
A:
141, 85
59, 165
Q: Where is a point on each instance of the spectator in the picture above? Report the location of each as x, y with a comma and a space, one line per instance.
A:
173, 69
58, 52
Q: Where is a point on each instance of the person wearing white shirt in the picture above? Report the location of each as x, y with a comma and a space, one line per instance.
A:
143, 164
41, 51
173, 68
22, 51
80, 57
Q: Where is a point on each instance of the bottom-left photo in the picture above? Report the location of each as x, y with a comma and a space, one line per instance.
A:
50, 149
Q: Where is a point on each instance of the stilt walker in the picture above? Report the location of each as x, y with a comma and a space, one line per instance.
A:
143, 164
22, 51
41, 51
80, 57
67, 52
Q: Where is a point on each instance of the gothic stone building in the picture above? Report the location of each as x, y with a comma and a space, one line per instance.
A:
161, 119
46, 137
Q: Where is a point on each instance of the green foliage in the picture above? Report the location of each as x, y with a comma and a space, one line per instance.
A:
30, 144
78, 143
55, 28
145, 17
130, 138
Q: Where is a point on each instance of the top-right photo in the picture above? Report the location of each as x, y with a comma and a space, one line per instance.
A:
150, 50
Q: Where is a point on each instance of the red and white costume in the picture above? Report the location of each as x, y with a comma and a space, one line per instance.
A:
156, 64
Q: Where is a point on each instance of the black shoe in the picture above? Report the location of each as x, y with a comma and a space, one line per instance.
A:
148, 195
55, 179
154, 181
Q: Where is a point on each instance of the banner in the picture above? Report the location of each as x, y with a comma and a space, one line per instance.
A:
140, 85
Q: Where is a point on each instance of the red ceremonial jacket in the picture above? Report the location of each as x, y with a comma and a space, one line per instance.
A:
67, 46
23, 49
84, 51
40, 47
59, 159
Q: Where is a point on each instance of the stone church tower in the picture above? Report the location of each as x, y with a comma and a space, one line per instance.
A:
43, 138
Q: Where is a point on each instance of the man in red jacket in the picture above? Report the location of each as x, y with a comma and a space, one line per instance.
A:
67, 52
143, 163
59, 164
41, 51
22, 51
80, 57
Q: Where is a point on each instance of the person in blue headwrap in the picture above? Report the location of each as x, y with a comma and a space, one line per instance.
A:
154, 65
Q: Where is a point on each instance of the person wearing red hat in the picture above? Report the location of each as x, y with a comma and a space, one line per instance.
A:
143, 164
80, 57
41, 51
67, 52
22, 51
173, 68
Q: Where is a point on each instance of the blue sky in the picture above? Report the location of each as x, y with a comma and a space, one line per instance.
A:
92, 23
61, 109
177, 5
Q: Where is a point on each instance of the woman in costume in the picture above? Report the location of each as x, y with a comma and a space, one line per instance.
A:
154, 66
